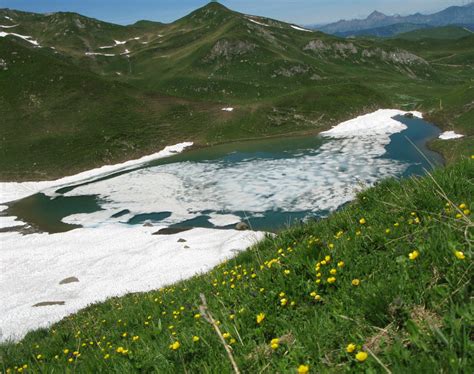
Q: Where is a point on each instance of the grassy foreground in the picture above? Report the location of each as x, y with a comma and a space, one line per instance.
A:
381, 286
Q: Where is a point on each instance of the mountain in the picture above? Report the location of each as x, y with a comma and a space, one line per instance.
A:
454, 15
384, 31
87, 92
444, 32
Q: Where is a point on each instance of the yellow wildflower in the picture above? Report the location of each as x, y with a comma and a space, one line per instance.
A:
413, 255
135, 338
362, 221
275, 343
303, 369
355, 282
361, 356
175, 346
333, 271
260, 317
340, 264
460, 255
350, 348
195, 338
283, 302
331, 279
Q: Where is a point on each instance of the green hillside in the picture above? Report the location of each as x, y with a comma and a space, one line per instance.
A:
446, 32
381, 286
139, 87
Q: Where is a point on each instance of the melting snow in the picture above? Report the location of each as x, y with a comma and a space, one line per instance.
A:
221, 220
109, 261
10, 191
24, 37
229, 109
99, 54
300, 28
8, 27
447, 135
258, 23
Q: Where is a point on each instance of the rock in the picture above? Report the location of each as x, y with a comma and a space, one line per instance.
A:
242, 226
181, 240
409, 115
171, 230
69, 280
147, 224
228, 49
49, 303
187, 247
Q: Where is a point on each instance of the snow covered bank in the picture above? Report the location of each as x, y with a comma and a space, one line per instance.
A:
10, 191
447, 135
109, 261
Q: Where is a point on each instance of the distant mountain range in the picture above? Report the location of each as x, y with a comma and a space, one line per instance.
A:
379, 24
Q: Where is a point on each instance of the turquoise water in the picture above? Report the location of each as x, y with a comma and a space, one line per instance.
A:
206, 178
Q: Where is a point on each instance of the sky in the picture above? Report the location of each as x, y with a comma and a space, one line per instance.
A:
297, 11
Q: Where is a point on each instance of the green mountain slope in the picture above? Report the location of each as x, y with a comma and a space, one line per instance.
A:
447, 32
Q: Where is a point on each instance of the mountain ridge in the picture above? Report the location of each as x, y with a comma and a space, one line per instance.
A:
450, 16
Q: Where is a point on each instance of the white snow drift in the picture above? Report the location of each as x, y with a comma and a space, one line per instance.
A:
10, 191
300, 28
110, 261
29, 39
447, 135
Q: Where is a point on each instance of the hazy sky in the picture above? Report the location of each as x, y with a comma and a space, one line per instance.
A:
297, 11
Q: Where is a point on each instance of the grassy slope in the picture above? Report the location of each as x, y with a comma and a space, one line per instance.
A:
440, 33
410, 315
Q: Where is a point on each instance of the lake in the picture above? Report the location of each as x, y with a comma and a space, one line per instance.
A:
268, 184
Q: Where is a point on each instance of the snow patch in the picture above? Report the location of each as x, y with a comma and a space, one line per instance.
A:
24, 37
109, 261
447, 135
258, 23
10, 191
99, 54
8, 27
222, 220
300, 28
228, 109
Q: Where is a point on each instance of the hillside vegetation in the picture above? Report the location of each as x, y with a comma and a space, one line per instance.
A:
97, 93
383, 285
